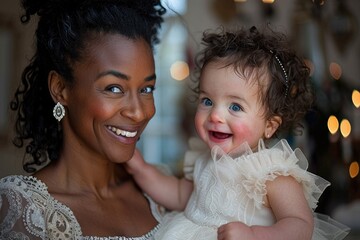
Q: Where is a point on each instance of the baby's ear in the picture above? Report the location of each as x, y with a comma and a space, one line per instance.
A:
272, 124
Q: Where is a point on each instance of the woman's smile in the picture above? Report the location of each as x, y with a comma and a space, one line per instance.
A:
121, 132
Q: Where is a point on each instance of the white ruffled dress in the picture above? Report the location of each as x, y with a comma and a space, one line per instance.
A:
228, 189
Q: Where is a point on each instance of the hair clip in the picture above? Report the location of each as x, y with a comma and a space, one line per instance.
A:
285, 75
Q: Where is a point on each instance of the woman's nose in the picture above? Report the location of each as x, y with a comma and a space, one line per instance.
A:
135, 109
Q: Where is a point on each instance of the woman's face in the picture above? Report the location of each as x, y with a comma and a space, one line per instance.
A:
111, 100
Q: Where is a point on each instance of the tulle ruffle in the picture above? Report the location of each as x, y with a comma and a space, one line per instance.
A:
254, 169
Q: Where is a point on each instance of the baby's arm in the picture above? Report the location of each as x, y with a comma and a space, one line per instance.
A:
294, 217
168, 191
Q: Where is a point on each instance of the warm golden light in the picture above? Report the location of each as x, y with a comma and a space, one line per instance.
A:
335, 70
333, 124
268, 1
179, 70
356, 98
345, 128
354, 169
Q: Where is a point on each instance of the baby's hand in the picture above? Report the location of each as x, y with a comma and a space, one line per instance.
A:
135, 163
235, 230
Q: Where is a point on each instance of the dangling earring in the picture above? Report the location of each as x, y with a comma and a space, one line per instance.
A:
59, 111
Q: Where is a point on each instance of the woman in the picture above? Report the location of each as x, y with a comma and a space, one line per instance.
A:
83, 102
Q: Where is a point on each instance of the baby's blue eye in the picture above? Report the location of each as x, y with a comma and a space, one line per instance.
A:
206, 102
235, 107
148, 89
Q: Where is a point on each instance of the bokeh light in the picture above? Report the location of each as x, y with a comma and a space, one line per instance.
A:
268, 1
333, 124
345, 128
354, 169
356, 98
310, 65
179, 70
335, 70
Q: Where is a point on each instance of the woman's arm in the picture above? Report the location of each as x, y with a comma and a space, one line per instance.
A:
167, 190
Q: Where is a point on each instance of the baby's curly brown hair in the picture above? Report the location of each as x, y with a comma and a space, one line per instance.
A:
286, 94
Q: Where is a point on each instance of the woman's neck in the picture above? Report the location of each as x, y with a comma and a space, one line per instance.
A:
81, 174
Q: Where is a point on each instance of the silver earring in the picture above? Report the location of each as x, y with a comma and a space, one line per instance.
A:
59, 111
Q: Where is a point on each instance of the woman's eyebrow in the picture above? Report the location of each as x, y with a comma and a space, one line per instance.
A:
113, 73
123, 75
151, 78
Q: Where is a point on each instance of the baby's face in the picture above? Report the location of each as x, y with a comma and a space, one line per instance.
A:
229, 111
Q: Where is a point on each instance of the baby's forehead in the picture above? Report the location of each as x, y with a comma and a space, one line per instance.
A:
253, 78
259, 74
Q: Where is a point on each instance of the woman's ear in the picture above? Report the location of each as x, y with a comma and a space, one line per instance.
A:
57, 87
272, 124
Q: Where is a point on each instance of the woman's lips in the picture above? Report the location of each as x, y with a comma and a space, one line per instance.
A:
121, 132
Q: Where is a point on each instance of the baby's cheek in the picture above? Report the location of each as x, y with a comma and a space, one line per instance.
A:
199, 122
248, 133
242, 131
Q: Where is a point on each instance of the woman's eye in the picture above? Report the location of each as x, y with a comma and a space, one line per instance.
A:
148, 89
235, 107
206, 102
114, 89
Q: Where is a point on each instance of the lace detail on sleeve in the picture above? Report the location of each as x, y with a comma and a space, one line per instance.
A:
29, 212
15, 212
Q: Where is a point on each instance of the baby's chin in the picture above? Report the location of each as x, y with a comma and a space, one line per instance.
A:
234, 150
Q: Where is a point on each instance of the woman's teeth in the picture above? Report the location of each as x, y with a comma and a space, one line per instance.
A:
123, 133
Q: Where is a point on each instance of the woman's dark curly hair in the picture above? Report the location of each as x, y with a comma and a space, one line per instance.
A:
258, 54
61, 35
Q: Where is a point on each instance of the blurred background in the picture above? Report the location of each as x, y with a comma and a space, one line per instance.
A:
325, 32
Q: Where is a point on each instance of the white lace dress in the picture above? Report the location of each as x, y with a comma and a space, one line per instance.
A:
228, 189
28, 211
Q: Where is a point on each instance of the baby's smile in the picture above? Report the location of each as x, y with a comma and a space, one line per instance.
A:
220, 135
